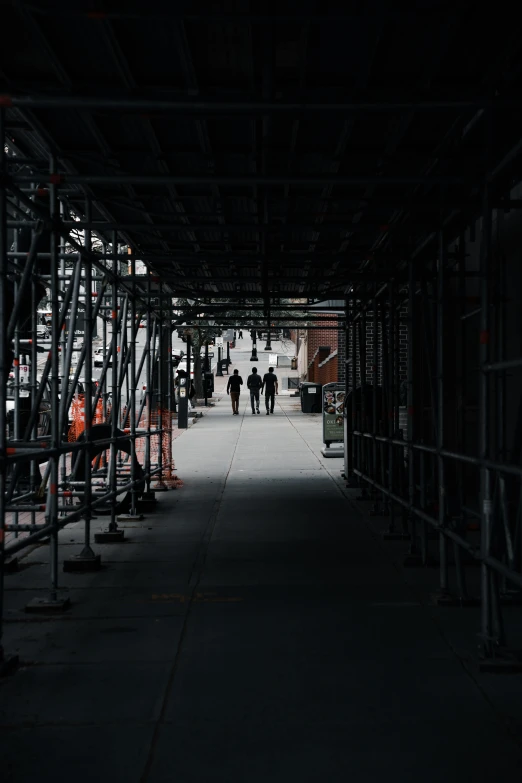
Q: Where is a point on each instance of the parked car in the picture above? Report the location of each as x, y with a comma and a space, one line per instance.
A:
42, 332
182, 365
99, 357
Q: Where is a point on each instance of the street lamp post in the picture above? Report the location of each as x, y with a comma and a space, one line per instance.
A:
253, 358
268, 346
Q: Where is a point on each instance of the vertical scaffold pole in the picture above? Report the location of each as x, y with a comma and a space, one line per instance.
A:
148, 390
375, 380
132, 404
443, 542
113, 527
353, 352
391, 400
104, 348
160, 484
52, 505
348, 466
486, 510
16, 422
4, 370
87, 552
409, 403
64, 370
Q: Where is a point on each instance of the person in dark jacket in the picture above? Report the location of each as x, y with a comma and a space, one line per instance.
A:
254, 383
271, 387
234, 385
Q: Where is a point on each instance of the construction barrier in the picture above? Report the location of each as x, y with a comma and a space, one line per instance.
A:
163, 419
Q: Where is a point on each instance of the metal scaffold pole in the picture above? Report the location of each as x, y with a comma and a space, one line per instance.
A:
439, 419
486, 506
54, 600
5, 662
132, 403
148, 387
413, 553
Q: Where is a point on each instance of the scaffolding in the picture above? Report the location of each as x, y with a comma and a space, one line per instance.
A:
71, 445
433, 420
429, 399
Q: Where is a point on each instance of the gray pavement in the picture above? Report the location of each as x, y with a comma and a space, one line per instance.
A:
252, 629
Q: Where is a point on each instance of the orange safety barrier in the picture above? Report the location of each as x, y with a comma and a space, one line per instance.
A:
163, 419
78, 417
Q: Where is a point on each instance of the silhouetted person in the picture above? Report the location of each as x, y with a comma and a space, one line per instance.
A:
271, 387
234, 385
240, 334
254, 383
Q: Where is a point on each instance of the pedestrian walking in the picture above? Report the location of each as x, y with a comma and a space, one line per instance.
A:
254, 383
240, 334
234, 385
271, 387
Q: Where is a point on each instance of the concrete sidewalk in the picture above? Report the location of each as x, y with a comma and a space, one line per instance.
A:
251, 630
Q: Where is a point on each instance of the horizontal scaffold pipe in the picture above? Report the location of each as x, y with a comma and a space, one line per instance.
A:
500, 467
213, 106
304, 180
76, 514
89, 256
501, 568
27, 450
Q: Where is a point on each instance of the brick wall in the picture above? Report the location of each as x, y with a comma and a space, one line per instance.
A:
341, 355
322, 336
335, 341
377, 371
321, 343
328, 370
314, 372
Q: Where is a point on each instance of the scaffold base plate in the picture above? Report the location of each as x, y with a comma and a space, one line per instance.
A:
11, 565
48, 605
8, 665
80, 565
130, 517
109, 537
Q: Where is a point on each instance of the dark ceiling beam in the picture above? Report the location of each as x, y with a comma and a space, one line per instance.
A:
191, 82
362, 79
303, 51
233, 16
126, 75
304, 180
278, 228
379, 208
215, 106
35, 29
